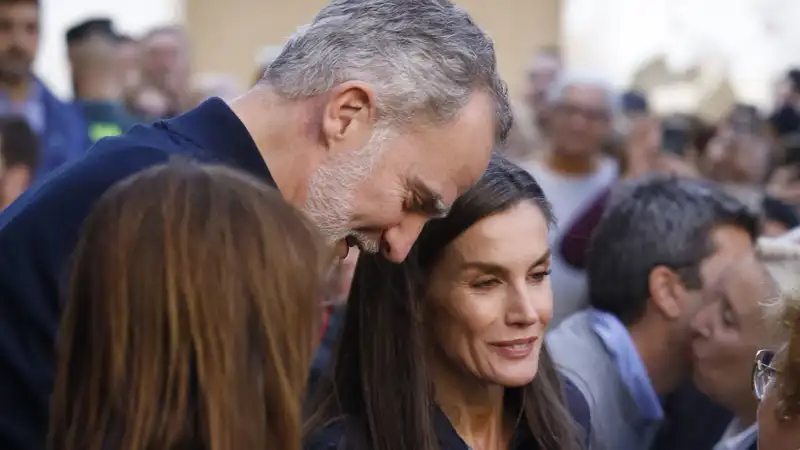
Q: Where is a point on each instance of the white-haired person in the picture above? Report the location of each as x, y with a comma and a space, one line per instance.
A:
573, 171
776, 373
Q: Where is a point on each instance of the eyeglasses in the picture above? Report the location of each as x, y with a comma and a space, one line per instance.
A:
763, 373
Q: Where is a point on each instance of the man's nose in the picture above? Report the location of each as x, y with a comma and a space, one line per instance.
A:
398, 240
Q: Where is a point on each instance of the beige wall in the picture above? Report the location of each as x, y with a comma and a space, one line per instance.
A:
228, 34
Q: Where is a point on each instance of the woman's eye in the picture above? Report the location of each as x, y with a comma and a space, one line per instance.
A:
538, 277
485, 283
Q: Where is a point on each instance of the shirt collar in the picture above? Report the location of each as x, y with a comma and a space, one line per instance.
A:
620, 346
216, 129
737, 438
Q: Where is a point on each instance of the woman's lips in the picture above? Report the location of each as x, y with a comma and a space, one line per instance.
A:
514, 349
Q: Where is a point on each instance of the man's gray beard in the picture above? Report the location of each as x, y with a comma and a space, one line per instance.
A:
332, 191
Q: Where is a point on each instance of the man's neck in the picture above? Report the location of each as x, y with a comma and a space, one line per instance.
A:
658, 358
279, 129
570, 165
17, 91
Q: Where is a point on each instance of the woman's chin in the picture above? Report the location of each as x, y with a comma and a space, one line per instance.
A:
513, 379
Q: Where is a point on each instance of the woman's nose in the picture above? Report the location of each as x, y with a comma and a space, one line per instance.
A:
522, 306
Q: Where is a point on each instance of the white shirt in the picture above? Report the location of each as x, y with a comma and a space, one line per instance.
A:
737, 438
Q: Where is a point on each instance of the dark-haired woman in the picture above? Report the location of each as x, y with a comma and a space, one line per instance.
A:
445, 350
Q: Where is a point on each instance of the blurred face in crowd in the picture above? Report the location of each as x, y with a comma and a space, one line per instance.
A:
541, 74
165, 60
19, 39
728, 332
94, 59
775, 431
376, 188
129, 63
731, 244
14, 180
491, 300
785, 94
736, 156
579, 121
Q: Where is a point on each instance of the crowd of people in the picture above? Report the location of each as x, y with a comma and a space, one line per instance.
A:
374, 247
117, 82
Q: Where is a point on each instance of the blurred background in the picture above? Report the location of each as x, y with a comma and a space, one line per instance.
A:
687, 55
707, 88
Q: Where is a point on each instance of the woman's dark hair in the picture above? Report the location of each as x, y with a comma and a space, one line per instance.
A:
191, 317
379, 386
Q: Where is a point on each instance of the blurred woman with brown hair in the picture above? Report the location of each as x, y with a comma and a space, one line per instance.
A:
192, 316
776, 375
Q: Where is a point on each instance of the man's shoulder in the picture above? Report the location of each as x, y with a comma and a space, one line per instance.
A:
63, 198
578, 354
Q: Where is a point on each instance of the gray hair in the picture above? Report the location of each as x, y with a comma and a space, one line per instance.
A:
424, 58
570, 80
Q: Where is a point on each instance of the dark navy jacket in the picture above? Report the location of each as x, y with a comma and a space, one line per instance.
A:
39, 231
64, 138
332, 438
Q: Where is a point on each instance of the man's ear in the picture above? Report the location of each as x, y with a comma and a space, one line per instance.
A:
349, 116
666, 292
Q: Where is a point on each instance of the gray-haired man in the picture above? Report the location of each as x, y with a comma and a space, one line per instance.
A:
373, 119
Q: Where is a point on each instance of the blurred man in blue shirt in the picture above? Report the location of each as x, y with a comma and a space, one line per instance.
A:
58, 125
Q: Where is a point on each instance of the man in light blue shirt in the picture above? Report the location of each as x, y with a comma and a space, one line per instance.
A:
660, 242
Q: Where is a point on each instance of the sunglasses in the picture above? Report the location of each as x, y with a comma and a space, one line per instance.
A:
763, 373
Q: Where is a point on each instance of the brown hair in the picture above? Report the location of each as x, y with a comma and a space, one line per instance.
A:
379, 387
191, 317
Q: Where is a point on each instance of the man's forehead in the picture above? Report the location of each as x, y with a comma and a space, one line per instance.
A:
586, 94
543, 64
739, 275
